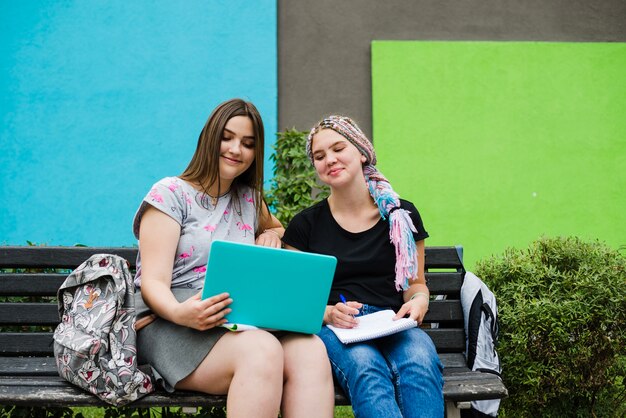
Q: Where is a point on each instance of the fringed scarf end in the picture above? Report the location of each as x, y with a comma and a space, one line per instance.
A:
400, 229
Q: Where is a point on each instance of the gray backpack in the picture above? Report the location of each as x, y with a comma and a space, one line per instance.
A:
95, 343
480, 314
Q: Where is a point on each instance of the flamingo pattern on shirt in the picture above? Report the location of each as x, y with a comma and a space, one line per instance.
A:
233, 218
244, 227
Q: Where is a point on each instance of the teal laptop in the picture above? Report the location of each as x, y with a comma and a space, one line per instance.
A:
270, 287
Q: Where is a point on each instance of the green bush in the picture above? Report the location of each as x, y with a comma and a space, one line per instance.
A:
562, 314
295, 186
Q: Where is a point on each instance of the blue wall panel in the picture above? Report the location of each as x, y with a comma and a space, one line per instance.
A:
102, 98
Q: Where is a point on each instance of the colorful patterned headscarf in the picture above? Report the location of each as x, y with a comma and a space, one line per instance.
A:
387, 200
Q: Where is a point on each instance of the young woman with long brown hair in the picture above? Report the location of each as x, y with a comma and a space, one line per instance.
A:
220, 196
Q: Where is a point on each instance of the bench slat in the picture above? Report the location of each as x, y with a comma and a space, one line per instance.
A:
52, 391
472, 386
56, 392
442, 257
448, 340
30, 284
26, 313
28, 366
34, 313
40, 343
46, 284
32, 344
444, 283
445, 312
57, 257
46, 366
71, 257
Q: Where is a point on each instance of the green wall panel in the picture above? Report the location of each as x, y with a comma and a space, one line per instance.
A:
499, 143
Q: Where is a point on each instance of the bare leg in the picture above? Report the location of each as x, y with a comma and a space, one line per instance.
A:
308, 389
246, 365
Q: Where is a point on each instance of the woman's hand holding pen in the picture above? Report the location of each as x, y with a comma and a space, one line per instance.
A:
342, 314
203, 314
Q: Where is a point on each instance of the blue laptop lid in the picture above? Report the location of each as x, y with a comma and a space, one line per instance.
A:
271, 288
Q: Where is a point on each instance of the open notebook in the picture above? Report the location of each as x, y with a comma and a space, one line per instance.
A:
271, 288
374, 325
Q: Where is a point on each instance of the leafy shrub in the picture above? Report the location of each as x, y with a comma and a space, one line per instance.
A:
295, 186
562, 310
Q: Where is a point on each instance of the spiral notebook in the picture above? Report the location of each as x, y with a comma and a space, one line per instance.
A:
371, 326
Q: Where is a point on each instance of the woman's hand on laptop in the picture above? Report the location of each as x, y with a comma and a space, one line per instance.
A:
203, 314
272, 229
270, 238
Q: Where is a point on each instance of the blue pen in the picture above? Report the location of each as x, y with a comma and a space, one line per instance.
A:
344, 301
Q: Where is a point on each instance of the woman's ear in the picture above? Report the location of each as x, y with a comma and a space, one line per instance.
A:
363, 159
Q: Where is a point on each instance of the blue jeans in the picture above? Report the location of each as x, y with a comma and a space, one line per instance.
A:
394, 376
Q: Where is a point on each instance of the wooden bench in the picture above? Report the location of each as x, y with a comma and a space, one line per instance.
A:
30, 277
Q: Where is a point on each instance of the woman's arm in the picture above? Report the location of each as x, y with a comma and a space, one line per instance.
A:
271, 230
158, 241
417, 296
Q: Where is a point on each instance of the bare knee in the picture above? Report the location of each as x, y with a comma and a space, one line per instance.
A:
308, 383
259, 351
306, 356
257, 381
249, 356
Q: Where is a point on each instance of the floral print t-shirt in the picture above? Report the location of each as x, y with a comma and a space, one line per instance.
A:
232, 218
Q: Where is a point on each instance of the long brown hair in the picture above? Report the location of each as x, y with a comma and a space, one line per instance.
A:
204, 167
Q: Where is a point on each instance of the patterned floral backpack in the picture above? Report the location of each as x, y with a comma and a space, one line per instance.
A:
95, 343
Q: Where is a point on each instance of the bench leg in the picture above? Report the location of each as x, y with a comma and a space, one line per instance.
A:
453, 409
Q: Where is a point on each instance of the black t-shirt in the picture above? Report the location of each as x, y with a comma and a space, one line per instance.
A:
365, 260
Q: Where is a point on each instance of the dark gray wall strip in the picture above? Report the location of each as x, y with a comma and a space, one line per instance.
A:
324, 45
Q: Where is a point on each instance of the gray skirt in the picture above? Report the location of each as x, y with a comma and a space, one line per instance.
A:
172, 351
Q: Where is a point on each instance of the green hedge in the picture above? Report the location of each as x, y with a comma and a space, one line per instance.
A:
562, 310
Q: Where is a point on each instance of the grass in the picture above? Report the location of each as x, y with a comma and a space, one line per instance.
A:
340, 412
343, 412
